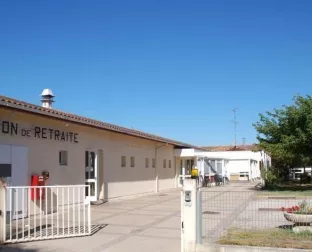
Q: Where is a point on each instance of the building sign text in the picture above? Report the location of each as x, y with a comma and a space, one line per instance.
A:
14, 129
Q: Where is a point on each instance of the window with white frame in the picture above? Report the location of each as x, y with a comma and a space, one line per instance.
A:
169, 164
132, 161
243, 174
146, 162
154, 163
213, 166
219, 166
165, 162
63, 157
123, 161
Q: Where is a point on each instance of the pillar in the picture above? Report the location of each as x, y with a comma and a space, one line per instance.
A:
188, 205
2, 213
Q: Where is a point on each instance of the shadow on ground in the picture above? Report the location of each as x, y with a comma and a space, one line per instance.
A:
45, 230
289, 227
97, 228
257, 187
16, 248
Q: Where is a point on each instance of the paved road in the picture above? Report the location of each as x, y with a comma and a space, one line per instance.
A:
240, 206
221, 206
149, 223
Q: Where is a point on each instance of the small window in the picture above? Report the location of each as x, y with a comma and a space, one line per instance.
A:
169, 163
132, 161
123, 161
154, 163
243, 174
146, 162
63, 156
164, 163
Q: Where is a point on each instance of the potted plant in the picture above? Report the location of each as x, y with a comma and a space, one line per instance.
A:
300, 214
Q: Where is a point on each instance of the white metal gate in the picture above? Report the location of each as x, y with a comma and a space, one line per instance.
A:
45, 212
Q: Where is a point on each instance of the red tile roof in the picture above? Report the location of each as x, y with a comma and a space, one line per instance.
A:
53, 113
248, 147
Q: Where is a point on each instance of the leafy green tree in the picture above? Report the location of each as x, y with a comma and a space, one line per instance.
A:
286, 133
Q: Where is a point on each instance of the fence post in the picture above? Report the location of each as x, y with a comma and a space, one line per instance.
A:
189, 215
2, 213
199, 217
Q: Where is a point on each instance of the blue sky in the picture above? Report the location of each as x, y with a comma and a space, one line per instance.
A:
172, 68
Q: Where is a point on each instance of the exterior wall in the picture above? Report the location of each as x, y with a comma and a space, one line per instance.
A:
250, 166
166, 175
114, 180
186, 153
255, 169
237, 166
226, 168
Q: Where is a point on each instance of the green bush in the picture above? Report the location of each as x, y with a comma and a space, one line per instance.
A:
305, 178
271, 177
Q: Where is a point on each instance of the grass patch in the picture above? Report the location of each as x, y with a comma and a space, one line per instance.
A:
285, 193
281, 238
290, 186
288, 189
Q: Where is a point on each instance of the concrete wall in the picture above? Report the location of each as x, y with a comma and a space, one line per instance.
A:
114, 180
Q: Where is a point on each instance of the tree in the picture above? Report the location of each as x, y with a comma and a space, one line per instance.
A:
286, 133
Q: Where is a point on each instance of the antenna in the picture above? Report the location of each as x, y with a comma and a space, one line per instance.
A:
235, 123
244, 140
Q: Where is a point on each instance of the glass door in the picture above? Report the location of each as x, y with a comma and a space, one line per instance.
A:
91, 175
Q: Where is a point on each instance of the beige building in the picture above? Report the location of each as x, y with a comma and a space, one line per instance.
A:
115, 161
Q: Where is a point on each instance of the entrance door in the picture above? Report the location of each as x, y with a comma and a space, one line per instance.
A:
91, 175
13, 167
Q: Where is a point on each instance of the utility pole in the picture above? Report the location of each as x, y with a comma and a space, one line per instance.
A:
235, 123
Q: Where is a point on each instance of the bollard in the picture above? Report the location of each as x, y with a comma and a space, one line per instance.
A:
188, 204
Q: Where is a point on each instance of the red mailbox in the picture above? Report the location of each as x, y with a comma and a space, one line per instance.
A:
36, 192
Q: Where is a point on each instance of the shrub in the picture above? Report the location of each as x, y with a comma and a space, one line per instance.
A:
305, 178
271, 177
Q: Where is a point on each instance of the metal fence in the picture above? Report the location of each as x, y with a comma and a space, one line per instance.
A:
46, 212
251, 218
